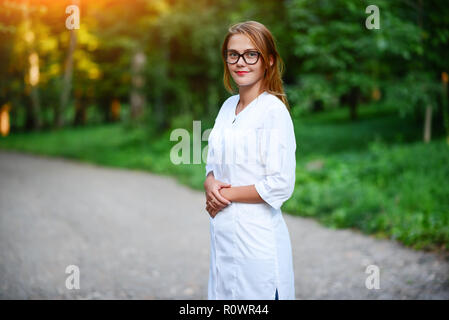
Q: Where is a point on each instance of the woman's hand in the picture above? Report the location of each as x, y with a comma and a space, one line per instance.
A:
214, 200
212, 212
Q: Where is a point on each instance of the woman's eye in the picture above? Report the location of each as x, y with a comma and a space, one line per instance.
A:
252, 54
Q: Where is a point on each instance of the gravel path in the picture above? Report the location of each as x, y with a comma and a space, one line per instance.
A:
136, 235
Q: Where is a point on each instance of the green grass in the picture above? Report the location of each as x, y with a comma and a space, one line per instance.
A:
396, 191
114, 145
331, 132
374, 175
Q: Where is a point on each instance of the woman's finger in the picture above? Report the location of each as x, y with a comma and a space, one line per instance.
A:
209, 211
220, 198
212, 213
213, 193
213, 205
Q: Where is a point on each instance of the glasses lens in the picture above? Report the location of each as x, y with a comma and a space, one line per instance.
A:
231, 57
251, 57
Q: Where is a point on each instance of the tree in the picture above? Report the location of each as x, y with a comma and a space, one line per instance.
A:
341, 58
415, 84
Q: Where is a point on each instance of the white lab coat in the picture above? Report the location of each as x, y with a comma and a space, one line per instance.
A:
250, 249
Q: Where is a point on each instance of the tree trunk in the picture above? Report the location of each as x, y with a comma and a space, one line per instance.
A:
354, 96
137, 96
444, 98
67, 82
81, 103
34, 111
318, 106
428, 124
160, 93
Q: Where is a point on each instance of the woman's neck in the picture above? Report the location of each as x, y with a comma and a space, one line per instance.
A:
248, 94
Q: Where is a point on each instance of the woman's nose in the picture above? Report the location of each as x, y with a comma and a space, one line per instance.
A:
241, 62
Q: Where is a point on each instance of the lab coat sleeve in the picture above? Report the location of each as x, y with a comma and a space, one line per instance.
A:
210, 149
210, 152
279, 182
209, 166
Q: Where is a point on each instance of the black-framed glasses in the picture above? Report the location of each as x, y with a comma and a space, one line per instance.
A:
250, 57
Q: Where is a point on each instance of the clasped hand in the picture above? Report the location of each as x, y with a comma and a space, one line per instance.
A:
214, 200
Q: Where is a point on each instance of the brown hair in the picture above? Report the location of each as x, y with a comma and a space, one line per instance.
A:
263, 40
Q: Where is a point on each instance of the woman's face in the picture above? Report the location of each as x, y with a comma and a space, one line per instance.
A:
244, 74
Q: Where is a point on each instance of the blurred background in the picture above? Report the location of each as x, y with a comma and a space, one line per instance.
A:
370, 106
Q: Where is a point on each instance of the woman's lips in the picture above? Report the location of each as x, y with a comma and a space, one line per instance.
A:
241, 73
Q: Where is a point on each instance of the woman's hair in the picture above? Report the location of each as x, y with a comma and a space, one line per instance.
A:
263, 40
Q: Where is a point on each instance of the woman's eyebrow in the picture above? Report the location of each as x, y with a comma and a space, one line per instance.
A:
243, 50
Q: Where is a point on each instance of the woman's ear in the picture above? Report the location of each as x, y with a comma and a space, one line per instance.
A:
271, 60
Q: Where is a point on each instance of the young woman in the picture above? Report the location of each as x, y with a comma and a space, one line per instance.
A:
250, 173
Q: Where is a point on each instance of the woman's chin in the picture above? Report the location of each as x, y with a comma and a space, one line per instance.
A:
242, 84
